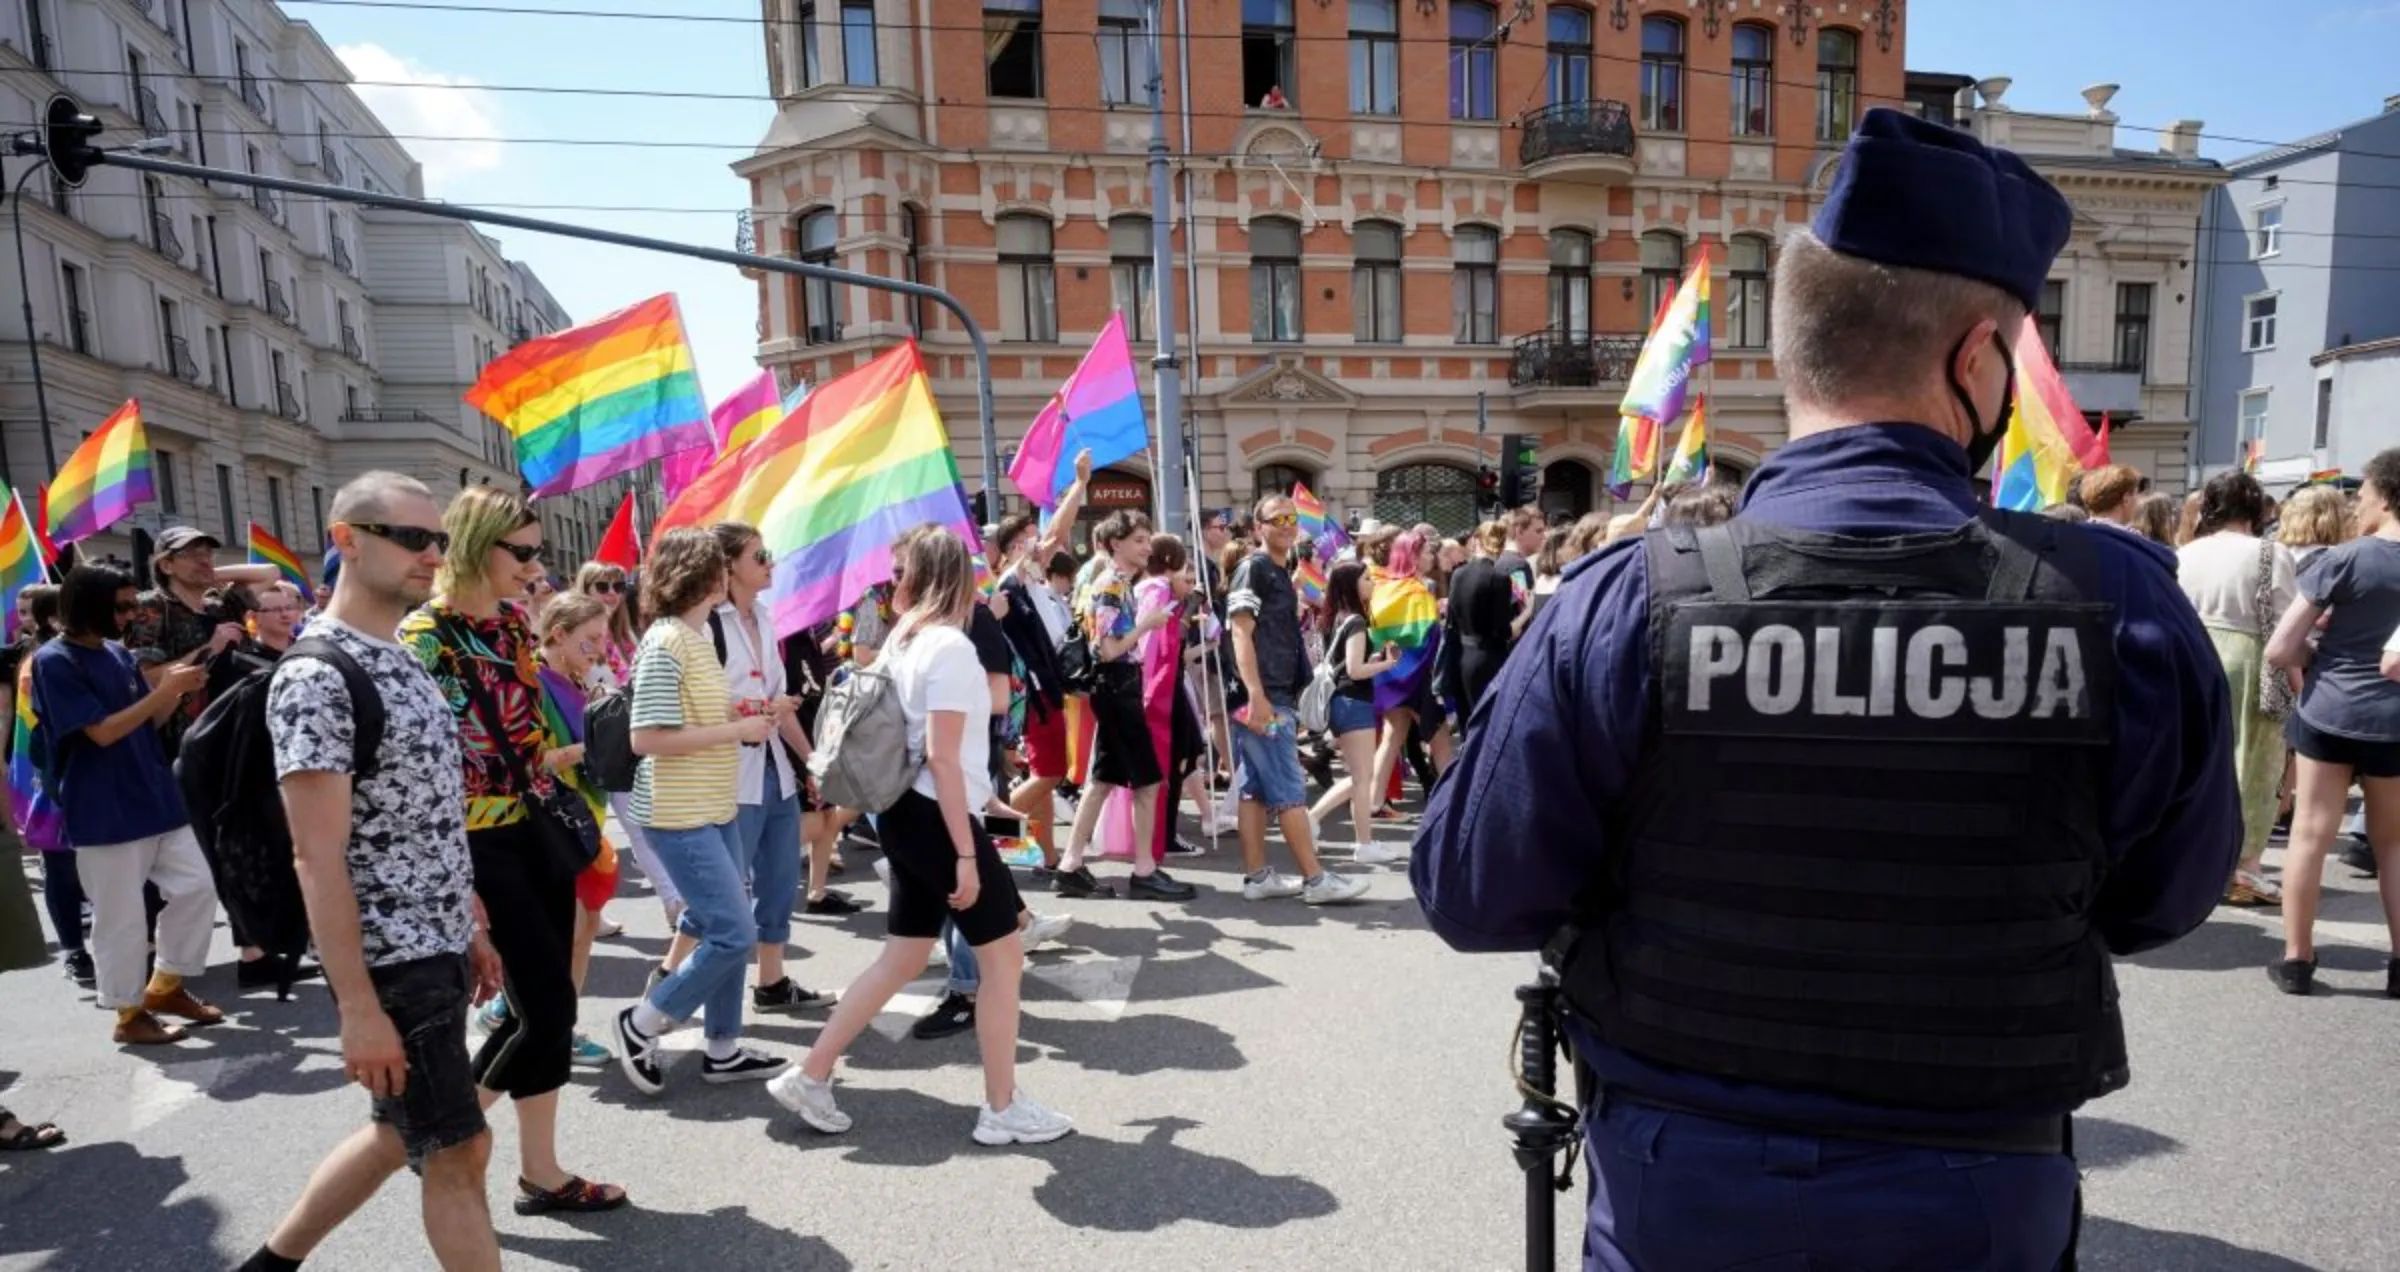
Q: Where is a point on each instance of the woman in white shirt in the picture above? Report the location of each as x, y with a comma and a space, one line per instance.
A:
2241, 584
943, 864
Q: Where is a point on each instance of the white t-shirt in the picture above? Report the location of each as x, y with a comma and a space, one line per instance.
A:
2219, 572
936, 670
754, 673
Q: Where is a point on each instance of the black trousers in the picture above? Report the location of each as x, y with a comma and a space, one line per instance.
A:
531, 908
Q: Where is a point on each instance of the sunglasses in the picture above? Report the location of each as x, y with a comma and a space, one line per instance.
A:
763, 556
524, 553
406, 538
603, 585
1284, 521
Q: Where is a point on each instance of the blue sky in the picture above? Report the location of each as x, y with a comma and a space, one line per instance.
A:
2310, 65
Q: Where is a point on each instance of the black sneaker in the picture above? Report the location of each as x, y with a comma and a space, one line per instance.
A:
785, 996
835, 903
2293, 975
955, 1015
2391, 979
859, 832
1158, 885
637, 1055
1077, 883
80, 969
1041, 876
2355, 854
744, 1066
1182, 847
1319, 766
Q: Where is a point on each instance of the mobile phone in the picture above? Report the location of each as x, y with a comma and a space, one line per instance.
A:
1011, 827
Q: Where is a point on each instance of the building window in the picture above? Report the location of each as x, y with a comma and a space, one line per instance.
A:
1474, 55
2269, 239
1753, 80
1570, 283
275, 505
170, 502
812, 68
2254, 415
1279, 479
316, 505
820, 299
79, 321
1270, 69
912, 263
1012, 43
1028, 281
1662, 271
1375, 283
1374, 57
858, 41
2133, 326
2050, 317
1475, 285
1125, 77
1437, 493
1129, 278
1746, 295
225, 514
2324, 414
167, 333
2258, 323
1274, 279
1837, 85
1570, 55
1662, 74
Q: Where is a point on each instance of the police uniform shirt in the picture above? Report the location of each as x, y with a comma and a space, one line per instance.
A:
1515, 832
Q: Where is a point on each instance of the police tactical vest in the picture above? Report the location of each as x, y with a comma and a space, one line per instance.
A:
1862, 855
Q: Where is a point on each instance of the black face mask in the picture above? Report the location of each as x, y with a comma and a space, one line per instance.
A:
1980, 444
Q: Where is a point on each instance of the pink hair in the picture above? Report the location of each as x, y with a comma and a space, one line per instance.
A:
1405, 551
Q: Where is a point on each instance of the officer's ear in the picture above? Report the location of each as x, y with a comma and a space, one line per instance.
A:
1978, 356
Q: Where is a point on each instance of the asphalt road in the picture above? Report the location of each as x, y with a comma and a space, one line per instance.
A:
1258, 1085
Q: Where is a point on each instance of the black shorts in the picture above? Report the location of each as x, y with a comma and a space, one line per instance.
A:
925, 870
427, 1001
2361, 757
1123, 753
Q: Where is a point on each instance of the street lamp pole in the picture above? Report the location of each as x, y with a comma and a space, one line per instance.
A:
33, 341
1168, 369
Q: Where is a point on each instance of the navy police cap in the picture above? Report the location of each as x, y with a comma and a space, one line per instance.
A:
1927, 196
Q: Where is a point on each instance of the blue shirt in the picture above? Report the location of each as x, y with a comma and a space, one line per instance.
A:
1514, 832
110, 794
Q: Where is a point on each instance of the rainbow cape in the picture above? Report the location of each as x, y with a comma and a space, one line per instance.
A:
266, 549
105, 477
40, 821
593, 401
830, 486
1401, 611
1689, 463
2047, 443
1098, 409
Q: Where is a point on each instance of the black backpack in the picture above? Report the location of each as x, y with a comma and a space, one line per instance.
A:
608, 756
227, 772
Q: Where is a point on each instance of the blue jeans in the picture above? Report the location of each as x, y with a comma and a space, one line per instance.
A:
701, 862
770, 858
966, 976
1271, 763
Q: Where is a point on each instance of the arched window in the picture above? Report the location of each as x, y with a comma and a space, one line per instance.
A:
1571, 283
1439, 493
1662, 74
1570, 54
1753, 80
820, 301
1662, 269
1274, 279
1837, 84
1566, 490
1028, 280
1474, 58
1375, 282
1746, 292
1129, 277
1278, 479
1475, 284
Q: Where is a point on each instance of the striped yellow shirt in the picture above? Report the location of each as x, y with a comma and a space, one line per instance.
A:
677, 684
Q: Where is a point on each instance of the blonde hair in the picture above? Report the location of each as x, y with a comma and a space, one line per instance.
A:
620, 619
568, 611
477, 521
2107, 488
937, 581
1492, 538
2315, 517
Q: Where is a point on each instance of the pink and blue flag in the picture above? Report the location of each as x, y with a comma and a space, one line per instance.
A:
1098, 409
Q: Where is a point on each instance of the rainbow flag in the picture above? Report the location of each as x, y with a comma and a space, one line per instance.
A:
1322, 530
2047, 443
986, 582
1401, 611
590, 402
1636, 456
105, 477
1690, 461
2323, 475
1309, 576
832, 484
266, 549
39, 820
2254, 451
1678, 344
22, 561
733, 423
1098, 409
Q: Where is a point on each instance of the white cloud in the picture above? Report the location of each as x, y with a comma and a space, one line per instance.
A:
413, 101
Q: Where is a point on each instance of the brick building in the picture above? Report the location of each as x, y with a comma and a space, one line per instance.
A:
1394, 206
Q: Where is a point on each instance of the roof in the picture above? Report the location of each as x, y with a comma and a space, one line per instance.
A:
2308, 145
2386, 345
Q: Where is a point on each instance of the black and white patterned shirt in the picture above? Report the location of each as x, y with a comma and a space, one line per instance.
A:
408, 842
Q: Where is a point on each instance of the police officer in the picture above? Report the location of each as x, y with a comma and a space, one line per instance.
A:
1830, 818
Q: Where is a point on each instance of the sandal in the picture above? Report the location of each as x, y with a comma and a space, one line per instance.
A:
2241, 893
29, 1136
576, 1196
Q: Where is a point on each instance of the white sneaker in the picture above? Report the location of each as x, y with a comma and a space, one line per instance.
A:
883, 870
1333, 889
1274, 887
1046, 928
811, 1099
1376, 853
1022, 1122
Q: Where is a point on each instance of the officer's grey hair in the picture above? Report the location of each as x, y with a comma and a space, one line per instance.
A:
1849, 331
370, 497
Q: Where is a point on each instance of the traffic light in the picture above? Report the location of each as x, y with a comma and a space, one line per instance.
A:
1520, 470
1487, 486
68, 135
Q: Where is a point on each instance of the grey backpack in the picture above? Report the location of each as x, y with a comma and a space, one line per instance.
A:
862, 759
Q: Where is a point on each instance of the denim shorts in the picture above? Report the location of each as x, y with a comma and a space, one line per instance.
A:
426, 999
1345, 716
1270, 763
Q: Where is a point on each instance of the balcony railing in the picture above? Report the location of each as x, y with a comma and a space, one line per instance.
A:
253, 95
2115, 387
162, 237
179, 359
267, 204
350, 344
147, 109
1556, 359
381, 415
287, 404
331, 165
341, 255
518, 332
276, 304
1577, 128
745, 235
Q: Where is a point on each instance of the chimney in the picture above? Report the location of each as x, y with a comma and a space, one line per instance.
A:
2181, 139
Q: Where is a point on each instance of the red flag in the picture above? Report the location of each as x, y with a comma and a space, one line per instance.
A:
41, 526
2099, 453
618, 546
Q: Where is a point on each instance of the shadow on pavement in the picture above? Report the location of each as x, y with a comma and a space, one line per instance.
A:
104, 1206
637, 1238
2224, 945
1134, 1046
2108, 1244
2101, 1143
